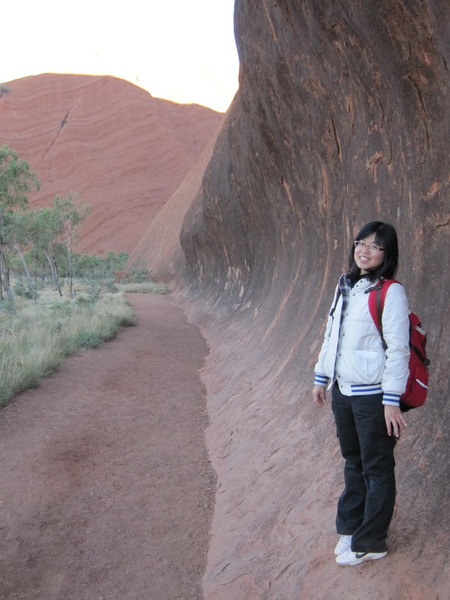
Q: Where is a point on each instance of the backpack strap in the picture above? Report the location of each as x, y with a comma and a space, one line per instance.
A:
377, 297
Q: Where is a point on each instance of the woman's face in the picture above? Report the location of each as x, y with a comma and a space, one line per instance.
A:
368, 254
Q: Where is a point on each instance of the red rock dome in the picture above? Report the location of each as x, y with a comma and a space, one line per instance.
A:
121, 150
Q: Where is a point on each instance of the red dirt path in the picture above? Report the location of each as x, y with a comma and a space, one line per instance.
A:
106, 488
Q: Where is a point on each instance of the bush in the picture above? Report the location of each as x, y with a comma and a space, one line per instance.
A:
7, 307
23, 290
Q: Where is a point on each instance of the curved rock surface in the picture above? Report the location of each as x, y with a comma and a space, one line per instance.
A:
342, 117
123, 151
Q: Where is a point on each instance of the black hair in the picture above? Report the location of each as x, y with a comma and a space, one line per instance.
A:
386, 238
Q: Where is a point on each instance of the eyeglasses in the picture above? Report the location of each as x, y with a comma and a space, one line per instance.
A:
369, 247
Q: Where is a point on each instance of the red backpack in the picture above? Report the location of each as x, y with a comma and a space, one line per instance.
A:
417, 385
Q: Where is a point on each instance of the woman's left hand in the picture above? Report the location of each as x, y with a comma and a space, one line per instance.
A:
395, 422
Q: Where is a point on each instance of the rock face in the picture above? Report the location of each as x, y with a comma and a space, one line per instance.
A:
341, 118
121, 150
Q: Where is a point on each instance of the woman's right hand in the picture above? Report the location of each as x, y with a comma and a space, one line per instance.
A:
319, 395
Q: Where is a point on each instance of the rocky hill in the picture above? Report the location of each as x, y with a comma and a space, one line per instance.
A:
121, 150
341, 118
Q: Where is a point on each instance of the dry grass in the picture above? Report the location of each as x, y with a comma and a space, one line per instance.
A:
145, 287
35, 338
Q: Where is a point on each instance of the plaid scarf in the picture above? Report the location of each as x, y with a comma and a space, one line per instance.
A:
343, 288
345, 285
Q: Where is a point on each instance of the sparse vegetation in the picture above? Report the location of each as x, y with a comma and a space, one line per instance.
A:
145, 287
36, 337
139, 281
81, 306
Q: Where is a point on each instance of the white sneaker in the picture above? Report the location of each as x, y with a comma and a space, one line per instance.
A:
344, 544
355, 558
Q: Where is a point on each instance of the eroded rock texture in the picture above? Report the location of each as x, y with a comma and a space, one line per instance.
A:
341, 118
121, 150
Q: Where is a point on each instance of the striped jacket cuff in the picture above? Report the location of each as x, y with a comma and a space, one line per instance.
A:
391, 399
320, 380
364, 389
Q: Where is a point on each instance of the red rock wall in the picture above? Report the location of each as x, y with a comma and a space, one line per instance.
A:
121, 150
341, 118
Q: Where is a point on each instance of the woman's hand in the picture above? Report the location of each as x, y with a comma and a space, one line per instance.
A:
395, 422
319, 395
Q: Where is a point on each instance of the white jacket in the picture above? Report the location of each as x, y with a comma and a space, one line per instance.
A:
353, 353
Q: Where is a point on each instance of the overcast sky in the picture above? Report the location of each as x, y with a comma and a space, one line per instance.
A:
182, 50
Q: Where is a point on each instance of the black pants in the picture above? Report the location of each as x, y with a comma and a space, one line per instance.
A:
366, 505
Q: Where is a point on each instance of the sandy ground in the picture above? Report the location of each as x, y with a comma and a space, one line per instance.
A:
106, 490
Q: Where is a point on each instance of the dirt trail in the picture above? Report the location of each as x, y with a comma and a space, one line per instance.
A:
106, 491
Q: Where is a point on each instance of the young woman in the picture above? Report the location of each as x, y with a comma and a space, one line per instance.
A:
366, 384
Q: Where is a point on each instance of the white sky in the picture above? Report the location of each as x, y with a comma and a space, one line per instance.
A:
181, 50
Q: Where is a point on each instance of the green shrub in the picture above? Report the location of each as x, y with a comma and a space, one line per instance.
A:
23, 290
7, 307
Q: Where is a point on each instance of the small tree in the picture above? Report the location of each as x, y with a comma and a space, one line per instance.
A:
72, 213
45, 228
16, 181
22, 226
